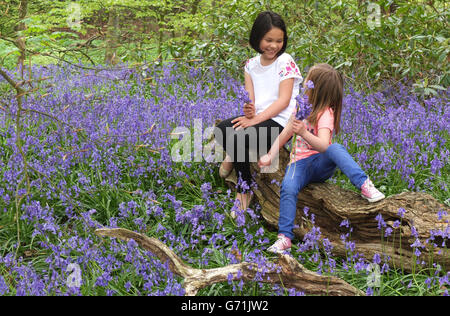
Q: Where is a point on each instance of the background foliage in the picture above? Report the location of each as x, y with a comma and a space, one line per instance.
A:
410, 39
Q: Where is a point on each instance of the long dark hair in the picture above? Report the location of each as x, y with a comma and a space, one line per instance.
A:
264, 23
328, 91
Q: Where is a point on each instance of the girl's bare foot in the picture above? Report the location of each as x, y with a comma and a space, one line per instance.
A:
226, 167
244, 201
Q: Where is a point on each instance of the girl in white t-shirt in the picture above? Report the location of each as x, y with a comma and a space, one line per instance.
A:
272, 81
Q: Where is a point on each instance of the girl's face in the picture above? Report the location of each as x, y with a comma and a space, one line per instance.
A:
272, 43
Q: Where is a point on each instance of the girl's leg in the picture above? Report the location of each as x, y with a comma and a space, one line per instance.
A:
258, 139
322, 168
243, 146
239, 145
221, 134
297, 176
235, 144
340, 156
226, 167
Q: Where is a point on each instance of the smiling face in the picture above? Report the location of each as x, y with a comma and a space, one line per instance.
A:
271, 44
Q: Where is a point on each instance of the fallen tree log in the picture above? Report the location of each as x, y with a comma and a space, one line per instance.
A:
332, 204
286, 270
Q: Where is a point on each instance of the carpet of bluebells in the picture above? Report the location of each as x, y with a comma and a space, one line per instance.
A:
98, 150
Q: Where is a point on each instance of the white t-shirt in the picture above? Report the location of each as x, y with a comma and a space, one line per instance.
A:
266, 83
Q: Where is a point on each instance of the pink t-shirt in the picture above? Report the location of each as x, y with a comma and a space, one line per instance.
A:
302, 149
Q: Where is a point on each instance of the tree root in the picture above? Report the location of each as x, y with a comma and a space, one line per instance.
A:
286, 270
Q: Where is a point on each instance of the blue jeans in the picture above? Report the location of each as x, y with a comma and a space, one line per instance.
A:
316, 168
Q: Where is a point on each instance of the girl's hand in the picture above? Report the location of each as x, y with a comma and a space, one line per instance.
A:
265, 161
242, 122
298, 127
249, 110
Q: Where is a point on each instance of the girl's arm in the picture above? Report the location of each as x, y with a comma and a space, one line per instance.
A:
249, 108
248, 84
284, 136
319, 142
284, 98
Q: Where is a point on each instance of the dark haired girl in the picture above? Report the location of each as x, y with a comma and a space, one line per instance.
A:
272, 81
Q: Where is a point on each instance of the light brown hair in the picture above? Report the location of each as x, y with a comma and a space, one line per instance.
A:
328, 91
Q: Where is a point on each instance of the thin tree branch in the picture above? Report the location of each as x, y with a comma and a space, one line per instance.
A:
14, 84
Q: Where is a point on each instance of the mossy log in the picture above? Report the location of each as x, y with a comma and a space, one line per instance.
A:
332, 204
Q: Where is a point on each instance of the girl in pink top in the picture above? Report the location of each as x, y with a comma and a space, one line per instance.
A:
315, 157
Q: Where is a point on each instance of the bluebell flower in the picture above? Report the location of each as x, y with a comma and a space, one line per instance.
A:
401, 212
4, 289
381, 222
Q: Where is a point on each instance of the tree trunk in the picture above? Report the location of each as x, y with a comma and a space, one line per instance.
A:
112, 37
390, 10
20, 42
195, 7
160, 38
332, 204
286, 271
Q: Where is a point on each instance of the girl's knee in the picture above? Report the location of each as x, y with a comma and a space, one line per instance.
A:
335, 147
224, 124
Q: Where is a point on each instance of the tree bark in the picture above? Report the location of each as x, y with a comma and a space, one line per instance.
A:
20, 42
332, 204
286, 270
112, 37
194, 7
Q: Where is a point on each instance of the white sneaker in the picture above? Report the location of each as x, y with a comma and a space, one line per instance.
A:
370, 193
281, 245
